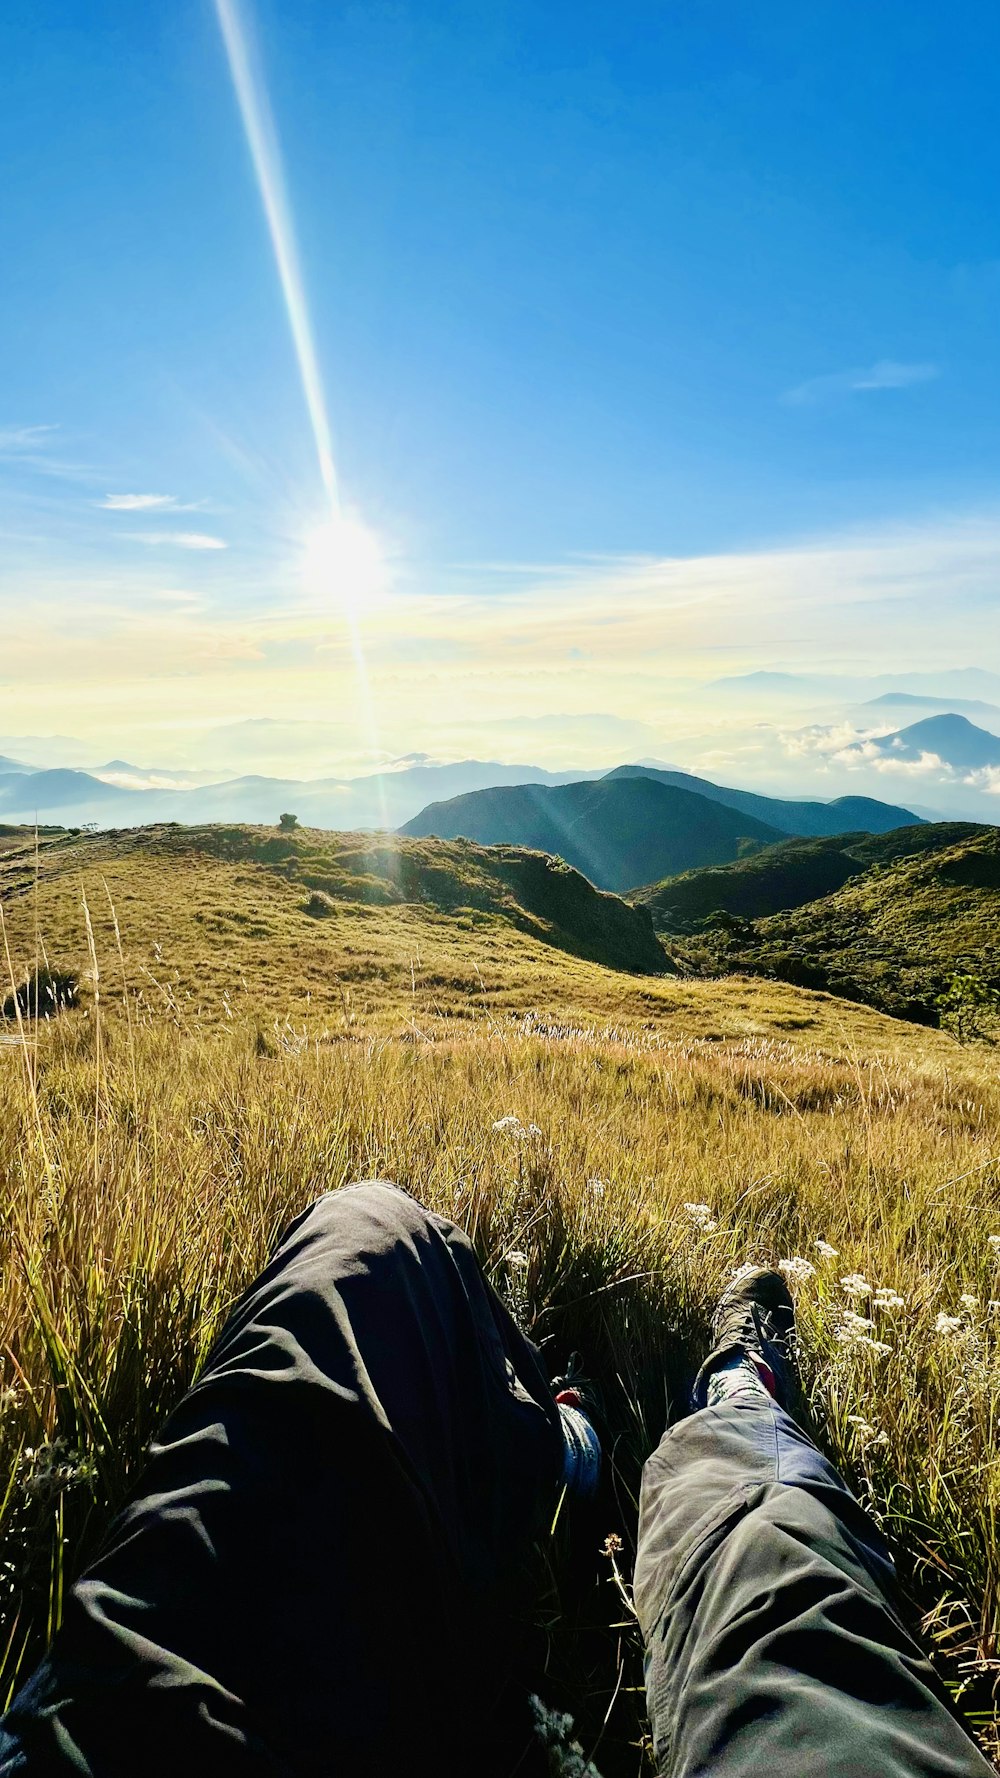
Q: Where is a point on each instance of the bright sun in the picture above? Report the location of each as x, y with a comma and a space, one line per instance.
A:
343, 563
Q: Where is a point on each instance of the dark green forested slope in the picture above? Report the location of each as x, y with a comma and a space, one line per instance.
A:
788, 875
893, 935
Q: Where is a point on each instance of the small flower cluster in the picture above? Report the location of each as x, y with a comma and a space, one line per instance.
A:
50, 1469
856, 1331
856, 1284
742, 1271
868, 1437
886, 1298
701, 1216
797, 1268
512, 1126
825, 1251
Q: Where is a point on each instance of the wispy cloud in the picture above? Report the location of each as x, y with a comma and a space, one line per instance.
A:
179, 539
141, 503
30, 448
886, 373
24, 441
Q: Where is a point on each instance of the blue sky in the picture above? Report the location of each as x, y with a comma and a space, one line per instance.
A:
596, 292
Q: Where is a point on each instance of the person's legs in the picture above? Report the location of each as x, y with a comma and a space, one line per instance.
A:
306, 1577
767, 1599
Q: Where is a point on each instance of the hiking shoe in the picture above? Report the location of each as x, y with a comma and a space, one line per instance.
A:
754, 1319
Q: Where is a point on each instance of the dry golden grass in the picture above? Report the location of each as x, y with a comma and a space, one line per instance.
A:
152, 1152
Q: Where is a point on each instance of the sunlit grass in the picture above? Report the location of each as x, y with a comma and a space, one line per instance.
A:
152, 1153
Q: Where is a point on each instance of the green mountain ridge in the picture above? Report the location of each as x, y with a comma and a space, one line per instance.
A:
617, 830
845, 814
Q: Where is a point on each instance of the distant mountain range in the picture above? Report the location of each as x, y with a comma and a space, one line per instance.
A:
939, 756
907, 700
960, 682
843, 815
110, 795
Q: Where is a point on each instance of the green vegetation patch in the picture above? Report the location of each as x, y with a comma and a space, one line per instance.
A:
915, 909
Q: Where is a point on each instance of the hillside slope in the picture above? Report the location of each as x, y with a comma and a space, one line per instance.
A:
220, 928
846, 814
329, 872
619, 831
787, 875
892, 936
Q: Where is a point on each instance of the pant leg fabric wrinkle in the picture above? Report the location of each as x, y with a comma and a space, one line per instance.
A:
776, 1638
309, 1576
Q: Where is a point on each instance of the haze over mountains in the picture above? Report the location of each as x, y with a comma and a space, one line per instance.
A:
940, 765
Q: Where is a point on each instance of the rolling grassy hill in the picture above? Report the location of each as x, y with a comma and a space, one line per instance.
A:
614, 1142
845, 814
619, 831
891, 935
223, 925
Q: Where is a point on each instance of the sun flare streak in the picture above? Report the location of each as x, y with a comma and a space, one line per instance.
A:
262, 140
342, 559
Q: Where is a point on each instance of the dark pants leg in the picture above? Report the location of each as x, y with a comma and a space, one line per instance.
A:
767, 1599
308, 1577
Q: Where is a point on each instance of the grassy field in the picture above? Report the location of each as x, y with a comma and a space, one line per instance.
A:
232, 1057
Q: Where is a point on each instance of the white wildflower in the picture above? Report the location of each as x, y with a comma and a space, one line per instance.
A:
886, 1298
994, 1242
512, 1126
48, 1471
743, 1271
856, 1284
860, 1323
798, 1268
867, 1435
596, 1187
968, 1301
518, 1260
854, 1331
825, 1251
947, 1324
701, 1216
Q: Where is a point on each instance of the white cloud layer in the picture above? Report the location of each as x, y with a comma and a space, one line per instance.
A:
471, 660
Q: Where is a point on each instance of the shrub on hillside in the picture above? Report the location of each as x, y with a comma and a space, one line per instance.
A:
319, 905
42, 994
